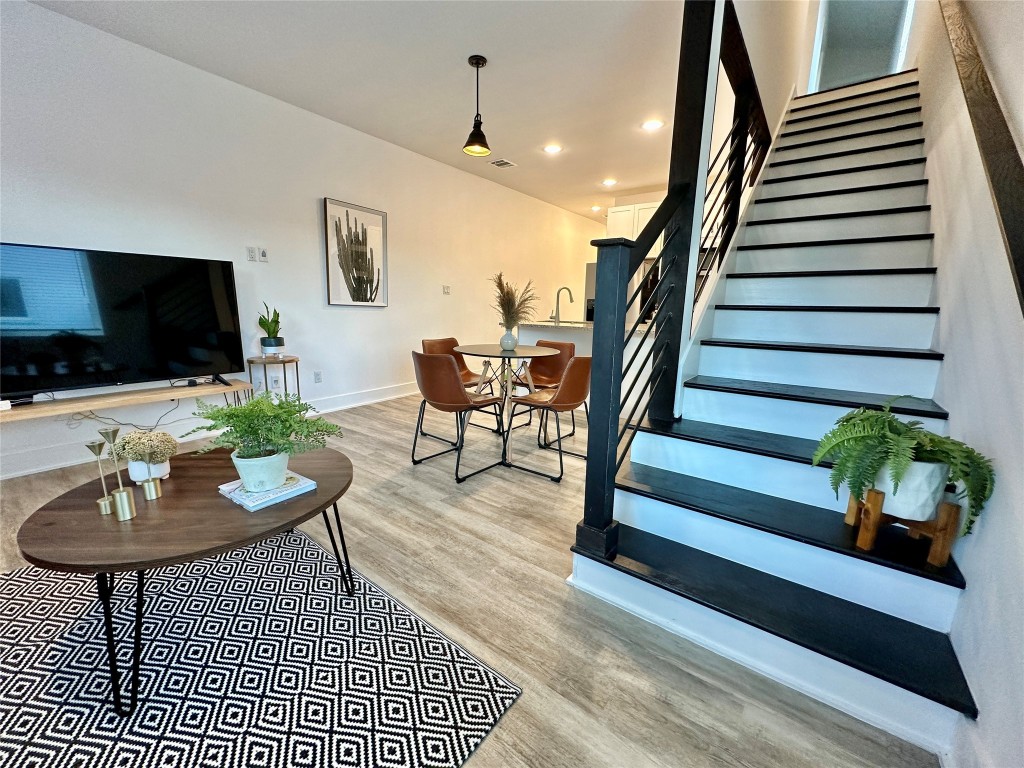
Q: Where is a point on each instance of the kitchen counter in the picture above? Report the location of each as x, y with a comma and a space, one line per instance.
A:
573, 325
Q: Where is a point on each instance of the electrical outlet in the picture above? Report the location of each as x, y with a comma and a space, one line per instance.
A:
446, 290
252, 252
275, 382
318, 377
263, 255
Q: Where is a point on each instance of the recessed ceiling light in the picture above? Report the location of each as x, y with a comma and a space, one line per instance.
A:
652, 125
610, 182
595, 208
552, 149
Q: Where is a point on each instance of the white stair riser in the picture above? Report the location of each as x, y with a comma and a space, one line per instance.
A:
762, 474
914, 290
876, 329
874, 109
891, 255
799, 133
866, 178
882, 155
863, 373
881, 199
857, 88
914, 223
777, 416
843, 144
921, 601
800, 109
893, 709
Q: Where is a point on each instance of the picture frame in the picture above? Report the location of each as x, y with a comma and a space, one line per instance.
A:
356, 240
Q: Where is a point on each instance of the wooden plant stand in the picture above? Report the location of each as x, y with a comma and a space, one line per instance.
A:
942, 530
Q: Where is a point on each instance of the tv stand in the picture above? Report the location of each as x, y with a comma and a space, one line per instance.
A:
66, 405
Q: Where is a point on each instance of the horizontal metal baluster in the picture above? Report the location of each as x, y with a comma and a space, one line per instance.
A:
632, 413
661, 255
629, 391
639, 346
629, 442
647, 306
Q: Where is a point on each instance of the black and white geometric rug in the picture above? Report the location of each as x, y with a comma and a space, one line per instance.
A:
253, 658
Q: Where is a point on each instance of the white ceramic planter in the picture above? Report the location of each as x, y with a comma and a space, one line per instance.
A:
920, 490
139, 471
262, 474
508, 341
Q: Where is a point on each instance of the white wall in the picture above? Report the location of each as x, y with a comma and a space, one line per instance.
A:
110, 145
981, 333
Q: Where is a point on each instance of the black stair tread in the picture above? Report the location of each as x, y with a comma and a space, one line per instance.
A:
826, 308
845, 398
862, 95
844, 191
833, 349
845, 171
849, 136
841, 215
854, 85
900, 652
853, 121
786, 447
815, 526
879, 272
854, 108
849, 152
838, 241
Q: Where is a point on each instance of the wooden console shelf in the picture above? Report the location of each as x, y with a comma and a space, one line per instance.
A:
63, 406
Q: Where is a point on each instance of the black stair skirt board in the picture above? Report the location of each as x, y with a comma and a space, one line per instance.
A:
845, 171
843, 398
827, 349
880, 272
854, 121
840, 215
862, 95
849, 152
844, 191
854, 85
814, 526
847, 137
855, 108
825, 308
900, 652
841, 241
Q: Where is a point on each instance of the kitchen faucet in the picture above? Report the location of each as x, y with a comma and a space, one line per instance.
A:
558, 297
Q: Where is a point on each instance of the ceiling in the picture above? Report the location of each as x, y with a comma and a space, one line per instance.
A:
581, 74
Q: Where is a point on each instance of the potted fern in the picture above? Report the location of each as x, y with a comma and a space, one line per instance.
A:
514, 307
264, 432
272, 344
909, 464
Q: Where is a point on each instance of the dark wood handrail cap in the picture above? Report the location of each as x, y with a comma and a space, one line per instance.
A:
608, 242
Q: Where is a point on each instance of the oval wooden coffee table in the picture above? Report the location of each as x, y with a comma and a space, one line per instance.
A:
189, 522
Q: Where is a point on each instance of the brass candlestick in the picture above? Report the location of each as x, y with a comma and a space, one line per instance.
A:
124, 499
105, 504
151, 490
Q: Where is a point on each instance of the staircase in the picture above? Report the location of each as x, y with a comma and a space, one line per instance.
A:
726, 532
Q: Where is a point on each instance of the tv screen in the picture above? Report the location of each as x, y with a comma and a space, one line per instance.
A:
72, 318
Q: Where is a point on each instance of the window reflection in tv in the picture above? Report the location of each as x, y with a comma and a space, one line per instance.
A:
74, 318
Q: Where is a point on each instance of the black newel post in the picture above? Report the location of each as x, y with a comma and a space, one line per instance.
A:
598, 532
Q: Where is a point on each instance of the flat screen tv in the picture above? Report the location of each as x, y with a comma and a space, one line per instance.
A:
73, 318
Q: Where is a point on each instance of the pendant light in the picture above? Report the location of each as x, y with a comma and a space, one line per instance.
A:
476, 144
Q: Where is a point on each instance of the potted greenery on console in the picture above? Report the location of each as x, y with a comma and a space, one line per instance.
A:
264, 432
273, 343
909, 464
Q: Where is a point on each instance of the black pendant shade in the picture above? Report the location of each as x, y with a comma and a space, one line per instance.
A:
476, 144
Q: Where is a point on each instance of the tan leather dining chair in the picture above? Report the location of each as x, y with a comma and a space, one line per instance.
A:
470, 380
547, 373
441, 386
571, 392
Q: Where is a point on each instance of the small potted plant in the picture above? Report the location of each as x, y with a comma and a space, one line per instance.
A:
264, 432
909, 464
148, 454
272, 344
514, 307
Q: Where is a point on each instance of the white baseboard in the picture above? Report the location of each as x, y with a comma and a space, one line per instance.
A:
904, 714
365, 397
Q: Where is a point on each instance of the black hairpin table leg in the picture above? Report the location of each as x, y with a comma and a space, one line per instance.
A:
105, 586
345, 567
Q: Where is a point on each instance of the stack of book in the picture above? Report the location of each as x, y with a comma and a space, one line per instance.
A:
294, 485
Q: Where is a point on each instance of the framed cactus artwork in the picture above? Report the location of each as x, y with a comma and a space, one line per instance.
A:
357, 255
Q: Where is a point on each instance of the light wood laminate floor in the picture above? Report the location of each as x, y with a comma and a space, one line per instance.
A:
486, 562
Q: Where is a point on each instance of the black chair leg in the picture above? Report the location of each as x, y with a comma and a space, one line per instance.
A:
419, 431
423, 433
463, 420
540, 429
550, 445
